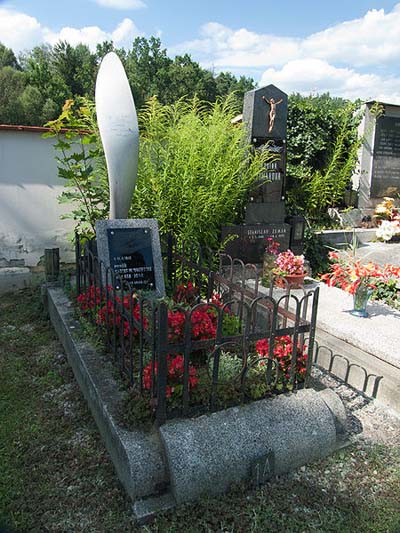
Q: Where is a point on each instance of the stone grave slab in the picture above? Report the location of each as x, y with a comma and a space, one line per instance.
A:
386, 158
131, 247
249, 243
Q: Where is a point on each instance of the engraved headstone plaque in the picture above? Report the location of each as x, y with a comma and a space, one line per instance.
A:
132, 249
249, 243
131, 256
386, 158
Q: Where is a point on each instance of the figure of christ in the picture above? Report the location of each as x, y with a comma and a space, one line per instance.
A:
272, 112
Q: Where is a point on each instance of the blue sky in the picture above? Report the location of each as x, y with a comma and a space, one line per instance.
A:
349, 48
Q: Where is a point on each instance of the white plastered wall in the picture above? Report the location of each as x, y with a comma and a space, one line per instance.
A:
29, 210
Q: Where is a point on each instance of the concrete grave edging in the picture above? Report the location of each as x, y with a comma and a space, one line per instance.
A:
252, 443
205, 455
137, 455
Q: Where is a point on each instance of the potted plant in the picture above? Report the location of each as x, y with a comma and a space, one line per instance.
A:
291, 268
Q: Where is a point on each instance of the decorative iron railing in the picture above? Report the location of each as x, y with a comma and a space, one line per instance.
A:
215, 341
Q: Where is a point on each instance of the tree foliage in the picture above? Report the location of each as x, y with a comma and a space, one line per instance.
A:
53, 74
322, 146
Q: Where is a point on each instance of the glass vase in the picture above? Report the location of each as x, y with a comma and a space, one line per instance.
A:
361, 296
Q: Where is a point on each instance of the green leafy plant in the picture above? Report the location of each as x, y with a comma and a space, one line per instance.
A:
81, 164
195, 168
322, 152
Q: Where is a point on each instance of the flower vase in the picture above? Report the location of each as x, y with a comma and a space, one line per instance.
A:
361, 296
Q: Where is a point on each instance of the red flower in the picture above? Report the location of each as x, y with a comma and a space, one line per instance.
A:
283, 351
175, 371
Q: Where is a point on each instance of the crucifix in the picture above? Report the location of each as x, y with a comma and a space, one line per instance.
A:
272, 112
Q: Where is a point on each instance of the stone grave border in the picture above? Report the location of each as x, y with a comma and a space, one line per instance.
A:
185, 459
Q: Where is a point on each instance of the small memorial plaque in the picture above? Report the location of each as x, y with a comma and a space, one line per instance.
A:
262, 469
132, 249
131, 256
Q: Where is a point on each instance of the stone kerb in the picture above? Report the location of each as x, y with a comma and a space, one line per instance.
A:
209, 454
136, 455
205, 455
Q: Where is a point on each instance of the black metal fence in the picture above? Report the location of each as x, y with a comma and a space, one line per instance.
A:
215, 341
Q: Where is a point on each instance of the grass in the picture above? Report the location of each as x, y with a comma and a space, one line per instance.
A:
56, 476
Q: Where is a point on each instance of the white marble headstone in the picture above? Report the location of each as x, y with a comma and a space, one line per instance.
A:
119, 132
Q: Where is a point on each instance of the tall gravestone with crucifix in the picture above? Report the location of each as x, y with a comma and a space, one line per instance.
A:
265, 119
131, 247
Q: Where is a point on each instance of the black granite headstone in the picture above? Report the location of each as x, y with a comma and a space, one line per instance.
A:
250, 243
131, 256
132, 249
386, 158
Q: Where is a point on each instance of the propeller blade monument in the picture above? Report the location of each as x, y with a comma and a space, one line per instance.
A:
119, 132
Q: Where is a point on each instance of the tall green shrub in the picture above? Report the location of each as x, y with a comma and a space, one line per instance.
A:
322, 152
195, 168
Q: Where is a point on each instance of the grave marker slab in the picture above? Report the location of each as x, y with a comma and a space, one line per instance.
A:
249, 245
132, 249
386, 158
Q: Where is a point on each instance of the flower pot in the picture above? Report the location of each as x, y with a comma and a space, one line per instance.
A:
294, 281
361, 296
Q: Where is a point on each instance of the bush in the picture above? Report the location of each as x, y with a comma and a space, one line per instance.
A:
194, 168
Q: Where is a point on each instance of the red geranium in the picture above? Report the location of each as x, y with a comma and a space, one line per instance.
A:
175, 370
283, 352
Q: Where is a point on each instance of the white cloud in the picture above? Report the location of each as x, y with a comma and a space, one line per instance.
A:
121, 4
19, 31
315, 75
347, 59
33, 33
226, 48
123, 35
373, 39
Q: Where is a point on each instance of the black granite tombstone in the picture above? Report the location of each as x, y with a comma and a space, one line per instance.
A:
132, 249
131, 256
265, 114
250, 239
386, 158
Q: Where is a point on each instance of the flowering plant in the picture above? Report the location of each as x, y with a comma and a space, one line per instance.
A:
272, 247
287, 263
283, 352
271, 251
350, 274
388, 219
175, 369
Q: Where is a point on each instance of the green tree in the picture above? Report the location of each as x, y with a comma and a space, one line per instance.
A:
147, 66
12, 85
7, 58
75, 67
